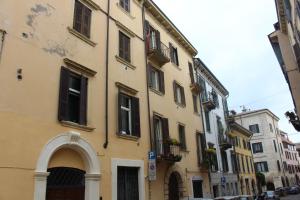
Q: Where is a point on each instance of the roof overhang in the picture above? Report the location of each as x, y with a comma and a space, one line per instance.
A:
281, 15
171, 28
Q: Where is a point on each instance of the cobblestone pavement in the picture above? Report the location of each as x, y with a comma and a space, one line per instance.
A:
291, 197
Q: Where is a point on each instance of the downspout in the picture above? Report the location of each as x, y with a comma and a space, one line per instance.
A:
106, 76
2, 42
147, 85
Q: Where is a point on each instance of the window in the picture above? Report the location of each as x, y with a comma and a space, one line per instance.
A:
275, 147
124, 46
173, 54
191, 72
72, 97
125, 4
156, 79
261, 166
195, 103
233, 162
82, 18
129, 115
243, 164
278, 166
128, 183
197, 189
224, 160
161, 134
181, 130
179, 96
247, 162
201, 146
271, 127
244, 144
215, 98
257, 147
207, 121
254, 128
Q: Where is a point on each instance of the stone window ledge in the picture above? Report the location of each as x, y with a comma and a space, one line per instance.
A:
77, 126
156, 91
128, 137
125, 62
81, 36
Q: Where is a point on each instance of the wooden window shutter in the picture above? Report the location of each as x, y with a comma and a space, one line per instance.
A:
121, 45
191, 73
166, 136
176, 57
83, 101
136, 129
119, 112
182, 95
127, 48
161, 82
78, 16
198, 148
86, 21
174, 89
181, 130
63, 94
157, 37
171, 52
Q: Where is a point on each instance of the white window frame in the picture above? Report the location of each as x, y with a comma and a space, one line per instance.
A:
178, 95
117, 162
128, 110
155, 79
159, 136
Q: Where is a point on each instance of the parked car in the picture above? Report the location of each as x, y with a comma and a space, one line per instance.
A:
270, 195
280, 191
228, 198
294, 190
246, 197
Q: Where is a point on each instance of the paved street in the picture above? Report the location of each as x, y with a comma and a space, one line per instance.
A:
291, 197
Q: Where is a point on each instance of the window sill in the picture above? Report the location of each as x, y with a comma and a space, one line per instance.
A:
125, 11
81, 36
77, 126
184, 150
156, 91
196, 113
128, 137
125, 62
176, 66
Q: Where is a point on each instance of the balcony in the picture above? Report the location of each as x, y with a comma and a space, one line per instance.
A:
168, 151
158, 52
196, 88
209, 103
224, 142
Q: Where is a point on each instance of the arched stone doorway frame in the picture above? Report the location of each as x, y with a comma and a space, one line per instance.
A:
71, 140
181, 182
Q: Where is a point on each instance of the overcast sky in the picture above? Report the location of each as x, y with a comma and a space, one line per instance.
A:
231, 38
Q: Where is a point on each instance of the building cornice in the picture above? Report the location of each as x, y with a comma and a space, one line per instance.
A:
171, 28
210, 76
240, 129
281, 15
254, 112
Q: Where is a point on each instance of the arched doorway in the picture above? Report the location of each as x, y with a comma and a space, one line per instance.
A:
73, 141
65, 183
174, 189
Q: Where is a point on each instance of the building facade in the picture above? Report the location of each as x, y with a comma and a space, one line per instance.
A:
266, 144
285, 41
290, 161
243, 160
223, 179
89, 88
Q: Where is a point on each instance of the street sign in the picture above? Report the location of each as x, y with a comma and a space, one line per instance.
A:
152, 166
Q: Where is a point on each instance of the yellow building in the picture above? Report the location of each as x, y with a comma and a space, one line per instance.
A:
243, 158
89, 87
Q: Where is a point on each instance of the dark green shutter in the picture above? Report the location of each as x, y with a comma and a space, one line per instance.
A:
174, 89
166, 136
63, 94
161, 82
83, 101
157, 37
198, 143
136, 129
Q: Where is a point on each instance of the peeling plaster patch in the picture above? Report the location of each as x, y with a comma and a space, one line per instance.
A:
41, 9
30, 19
38, 10
56, 49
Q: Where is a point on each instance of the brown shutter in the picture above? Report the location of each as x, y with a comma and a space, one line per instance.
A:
63, 94
191, 73
177, 62
165, 127
174, 89
157, 37
86, 21
171, 52
198, 148
119, 112
161, 82
136, 129
121, 45
83, 101
78, 16
182, 95
127, 48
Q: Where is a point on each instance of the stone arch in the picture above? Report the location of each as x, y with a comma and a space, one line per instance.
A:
182, 183
71, 140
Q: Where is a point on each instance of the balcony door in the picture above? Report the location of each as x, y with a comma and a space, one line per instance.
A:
173, 187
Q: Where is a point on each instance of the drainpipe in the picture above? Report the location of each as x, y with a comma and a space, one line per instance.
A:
2, 41
106, 76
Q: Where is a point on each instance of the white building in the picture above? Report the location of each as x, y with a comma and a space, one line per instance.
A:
266, 144
214, 110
